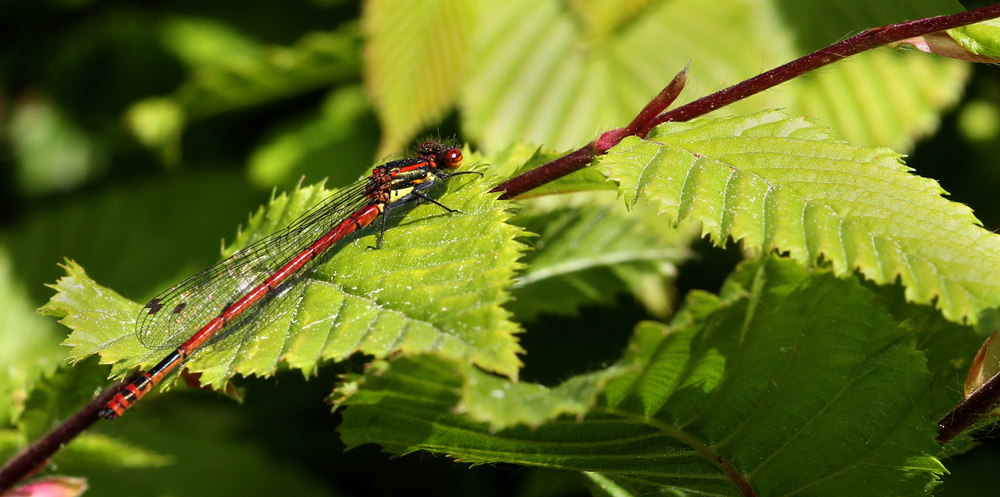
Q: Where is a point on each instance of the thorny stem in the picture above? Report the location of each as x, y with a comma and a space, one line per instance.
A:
865, 40
965, 414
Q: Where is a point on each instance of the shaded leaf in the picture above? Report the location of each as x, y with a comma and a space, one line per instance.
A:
29, 344
589, 250
207, 446
774, 182
57, 396
52, 400
146, 237
791, 382
338, 144
498, 402
949, 346
317, 60
53, 153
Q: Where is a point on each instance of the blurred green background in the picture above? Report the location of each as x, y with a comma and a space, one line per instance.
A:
134, 136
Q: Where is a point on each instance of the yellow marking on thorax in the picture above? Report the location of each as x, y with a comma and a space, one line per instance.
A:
399, 193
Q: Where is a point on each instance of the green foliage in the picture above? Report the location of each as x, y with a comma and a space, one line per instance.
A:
595, 73
27, 344
979, 39
597, 67
53, 398
783, 184
790, 382
376, 302
589, 250
223, 81
140, 134
304, 145
413, 77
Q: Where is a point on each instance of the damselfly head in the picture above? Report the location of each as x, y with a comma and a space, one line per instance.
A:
449, 157
430, 148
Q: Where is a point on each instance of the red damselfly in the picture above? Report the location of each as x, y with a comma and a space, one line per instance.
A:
229, 296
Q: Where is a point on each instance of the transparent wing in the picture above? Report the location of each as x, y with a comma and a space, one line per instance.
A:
171, 317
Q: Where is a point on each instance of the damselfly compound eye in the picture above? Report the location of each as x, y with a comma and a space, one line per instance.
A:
453, 158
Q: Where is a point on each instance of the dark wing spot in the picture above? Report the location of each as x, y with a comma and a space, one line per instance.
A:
179, 308
154, 306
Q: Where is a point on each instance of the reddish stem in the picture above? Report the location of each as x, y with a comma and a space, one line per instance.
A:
970, 410
577, 160
35, 456
865, 40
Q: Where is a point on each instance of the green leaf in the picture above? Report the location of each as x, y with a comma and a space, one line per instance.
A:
207, 43
589, 250
881, 97
791, 382
774, 182
98, 449
102, 320
415, 59
317, 60
436, 285
560, 73
29, 344
980, 39
949, 347
607, 486
338, 143
146, 239
215, 449
53, 152
498, 402
53, 399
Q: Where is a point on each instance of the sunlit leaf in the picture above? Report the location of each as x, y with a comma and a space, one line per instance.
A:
561, 73
415, 59
774, 182
436, 285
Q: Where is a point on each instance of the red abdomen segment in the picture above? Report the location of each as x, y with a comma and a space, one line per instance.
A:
134, 391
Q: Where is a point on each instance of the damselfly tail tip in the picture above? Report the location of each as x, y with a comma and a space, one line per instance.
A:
108, 413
